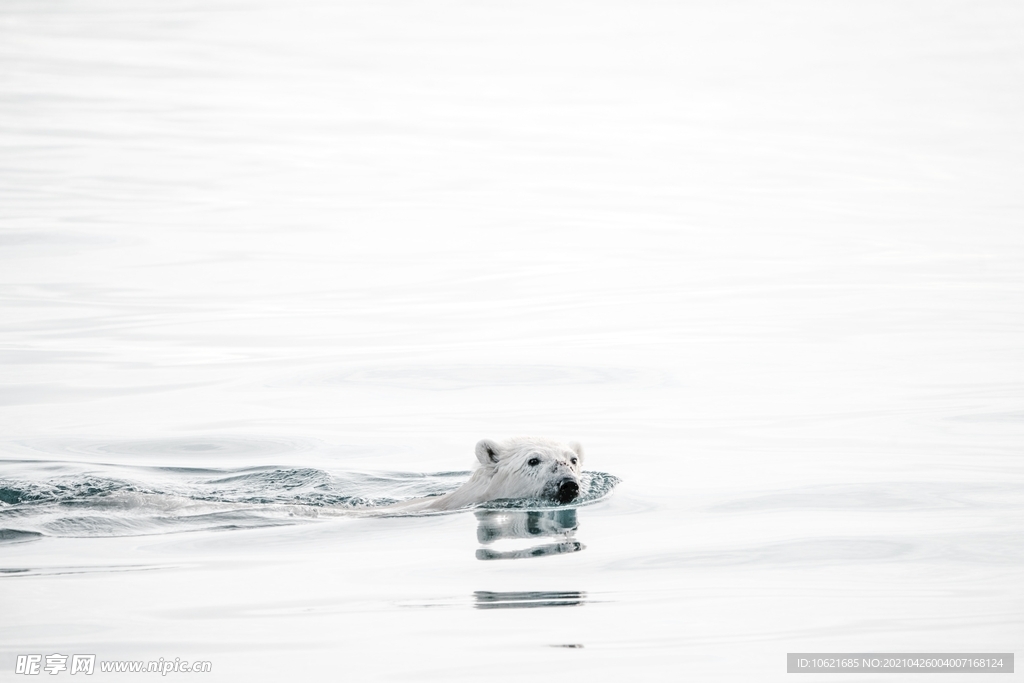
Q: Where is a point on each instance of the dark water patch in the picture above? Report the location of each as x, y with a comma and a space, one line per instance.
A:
528, 599
16, 572
18, 536
63, 491
546, 550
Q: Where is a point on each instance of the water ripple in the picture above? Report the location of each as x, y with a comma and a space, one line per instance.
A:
172, 446
470, 376
881, 496
984, 548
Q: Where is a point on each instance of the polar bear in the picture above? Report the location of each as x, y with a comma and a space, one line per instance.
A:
522, 467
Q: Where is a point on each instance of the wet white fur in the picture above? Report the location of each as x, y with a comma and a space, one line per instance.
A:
504, 472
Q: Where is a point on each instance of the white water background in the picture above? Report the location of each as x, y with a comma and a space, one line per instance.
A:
764, 260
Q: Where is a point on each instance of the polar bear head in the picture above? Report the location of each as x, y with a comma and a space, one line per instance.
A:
531, 468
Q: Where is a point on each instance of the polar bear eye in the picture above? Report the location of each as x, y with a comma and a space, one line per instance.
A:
573, 461
533, 462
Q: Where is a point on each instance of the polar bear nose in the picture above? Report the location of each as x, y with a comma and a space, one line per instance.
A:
567, 491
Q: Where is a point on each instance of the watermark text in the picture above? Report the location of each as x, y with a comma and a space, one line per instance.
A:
53, 664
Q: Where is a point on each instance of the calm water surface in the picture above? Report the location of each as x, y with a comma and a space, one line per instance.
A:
265, 264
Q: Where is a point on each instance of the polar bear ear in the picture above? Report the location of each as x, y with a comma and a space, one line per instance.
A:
487, 452
578, 448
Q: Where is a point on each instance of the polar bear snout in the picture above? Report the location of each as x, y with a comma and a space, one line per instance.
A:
567, 492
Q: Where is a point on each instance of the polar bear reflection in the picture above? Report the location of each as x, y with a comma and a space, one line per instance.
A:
497, 525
